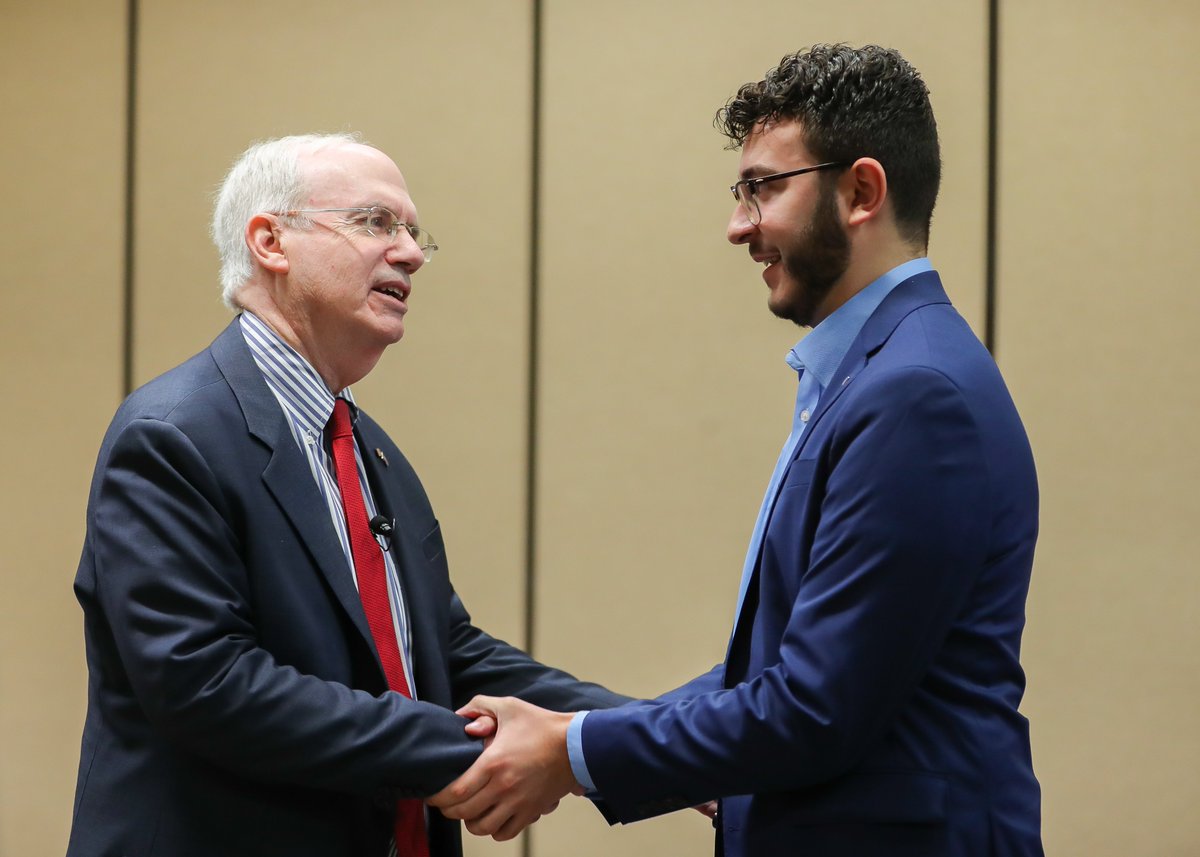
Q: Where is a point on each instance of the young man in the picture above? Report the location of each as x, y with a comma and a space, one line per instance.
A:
868, 704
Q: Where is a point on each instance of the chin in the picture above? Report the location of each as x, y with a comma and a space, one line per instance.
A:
791, 306
390, 333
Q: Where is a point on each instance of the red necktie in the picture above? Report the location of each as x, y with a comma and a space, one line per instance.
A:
369, 568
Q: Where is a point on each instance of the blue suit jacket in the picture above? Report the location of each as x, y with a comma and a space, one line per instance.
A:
868, 702
236, 705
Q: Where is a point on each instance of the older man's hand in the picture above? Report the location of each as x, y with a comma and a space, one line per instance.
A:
522, 774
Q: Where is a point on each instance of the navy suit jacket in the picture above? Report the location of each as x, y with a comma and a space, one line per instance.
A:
236, 705
868, 702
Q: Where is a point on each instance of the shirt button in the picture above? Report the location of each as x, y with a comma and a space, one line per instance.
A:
804, 416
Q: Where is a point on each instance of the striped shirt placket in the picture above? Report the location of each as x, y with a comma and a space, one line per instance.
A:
307, 403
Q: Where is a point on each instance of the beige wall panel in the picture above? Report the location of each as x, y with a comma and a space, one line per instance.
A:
62, 67
1098, 308
444, 89
663, 397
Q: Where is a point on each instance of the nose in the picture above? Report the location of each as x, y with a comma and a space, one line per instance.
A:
740, 228
404, 252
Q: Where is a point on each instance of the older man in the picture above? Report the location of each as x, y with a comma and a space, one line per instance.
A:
273, 642
868, 703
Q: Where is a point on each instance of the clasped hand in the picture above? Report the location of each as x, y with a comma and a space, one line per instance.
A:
522, 773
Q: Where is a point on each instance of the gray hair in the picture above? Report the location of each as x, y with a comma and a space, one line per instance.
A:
265, 179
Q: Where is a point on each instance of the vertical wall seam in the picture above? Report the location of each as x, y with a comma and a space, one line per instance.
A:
127, 317
993, 110
531, 402
531, 408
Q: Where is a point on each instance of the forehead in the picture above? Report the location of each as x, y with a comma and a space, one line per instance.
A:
774, 147
354, 175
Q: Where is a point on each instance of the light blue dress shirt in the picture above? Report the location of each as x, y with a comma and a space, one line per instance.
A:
815, 358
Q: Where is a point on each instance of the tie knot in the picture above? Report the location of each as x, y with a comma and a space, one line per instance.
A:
339, 421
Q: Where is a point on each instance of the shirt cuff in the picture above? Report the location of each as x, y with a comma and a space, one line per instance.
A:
575, 751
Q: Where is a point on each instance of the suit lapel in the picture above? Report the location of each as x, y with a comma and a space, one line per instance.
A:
287, 474
921, 290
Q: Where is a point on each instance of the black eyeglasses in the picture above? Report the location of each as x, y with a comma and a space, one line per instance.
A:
746, 191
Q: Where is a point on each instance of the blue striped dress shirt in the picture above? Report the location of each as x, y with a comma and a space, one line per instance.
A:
308, 403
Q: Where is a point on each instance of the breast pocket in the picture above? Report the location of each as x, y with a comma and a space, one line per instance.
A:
791, 509
799, 475
432, 544
438, 573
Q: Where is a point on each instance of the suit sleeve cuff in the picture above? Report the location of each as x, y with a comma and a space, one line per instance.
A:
575, 751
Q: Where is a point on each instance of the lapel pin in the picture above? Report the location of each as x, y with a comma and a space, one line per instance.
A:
379, 454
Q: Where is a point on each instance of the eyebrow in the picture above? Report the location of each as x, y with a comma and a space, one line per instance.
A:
399, 216
753, 172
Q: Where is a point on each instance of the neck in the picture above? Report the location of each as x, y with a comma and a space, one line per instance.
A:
338, 367
867, 264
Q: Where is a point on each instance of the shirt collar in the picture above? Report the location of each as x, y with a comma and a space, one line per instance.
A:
825, 346
291, 377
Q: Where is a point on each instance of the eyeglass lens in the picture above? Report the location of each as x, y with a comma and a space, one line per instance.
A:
382, 222
749, 202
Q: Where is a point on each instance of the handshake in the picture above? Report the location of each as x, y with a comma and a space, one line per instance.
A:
523, 773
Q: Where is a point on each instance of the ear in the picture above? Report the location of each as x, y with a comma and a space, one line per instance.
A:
867, 190
265, 243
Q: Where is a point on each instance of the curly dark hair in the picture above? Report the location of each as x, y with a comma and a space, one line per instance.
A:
852, 103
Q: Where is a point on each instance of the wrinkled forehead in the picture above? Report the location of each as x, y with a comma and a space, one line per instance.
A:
354, 174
